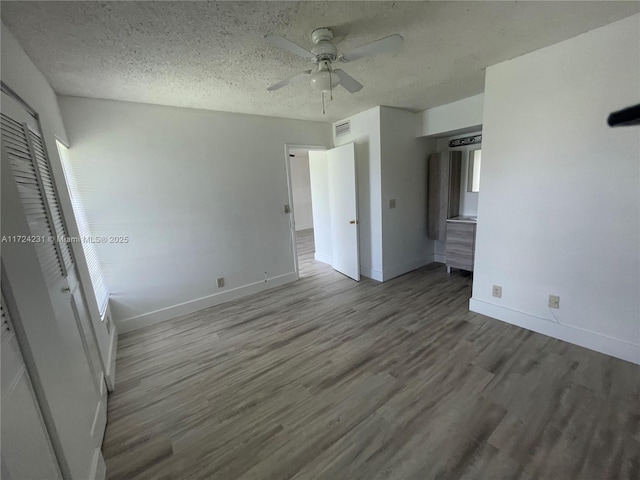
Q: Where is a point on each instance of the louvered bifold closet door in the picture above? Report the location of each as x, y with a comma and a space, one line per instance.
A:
17, 140
50, 193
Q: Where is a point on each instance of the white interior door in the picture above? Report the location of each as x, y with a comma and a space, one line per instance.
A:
343, 208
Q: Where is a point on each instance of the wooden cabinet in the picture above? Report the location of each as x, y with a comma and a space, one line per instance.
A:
444, 171
461, 244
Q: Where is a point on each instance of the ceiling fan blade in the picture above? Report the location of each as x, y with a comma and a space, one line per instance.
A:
287, 81
348, 82
281, 42
386, 44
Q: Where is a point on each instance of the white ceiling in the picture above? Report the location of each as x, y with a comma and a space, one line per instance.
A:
213, 55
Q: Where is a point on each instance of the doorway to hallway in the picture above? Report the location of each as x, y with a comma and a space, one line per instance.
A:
302, 208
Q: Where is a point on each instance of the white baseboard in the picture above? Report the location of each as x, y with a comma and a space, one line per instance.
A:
151, 318
321, 257
371, 273
584, 338
397, 270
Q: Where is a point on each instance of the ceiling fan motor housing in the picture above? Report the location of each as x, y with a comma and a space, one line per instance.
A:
323, 48
322, 34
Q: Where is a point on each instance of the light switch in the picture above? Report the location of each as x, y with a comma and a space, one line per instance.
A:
392, 203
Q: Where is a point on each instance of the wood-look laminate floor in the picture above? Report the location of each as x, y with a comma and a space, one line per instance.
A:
331, 379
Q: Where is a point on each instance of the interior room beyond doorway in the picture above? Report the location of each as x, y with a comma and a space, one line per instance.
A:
302, 208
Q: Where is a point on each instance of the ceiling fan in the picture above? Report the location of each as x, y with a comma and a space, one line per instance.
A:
324, 53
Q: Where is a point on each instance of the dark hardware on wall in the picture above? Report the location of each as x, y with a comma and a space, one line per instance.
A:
625, 117
461, 142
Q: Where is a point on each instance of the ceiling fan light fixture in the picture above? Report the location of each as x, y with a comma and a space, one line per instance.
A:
323, 79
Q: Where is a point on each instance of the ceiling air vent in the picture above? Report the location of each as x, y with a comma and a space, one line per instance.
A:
343, 128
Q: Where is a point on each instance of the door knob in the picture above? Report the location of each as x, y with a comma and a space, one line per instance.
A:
66, 289
353, 222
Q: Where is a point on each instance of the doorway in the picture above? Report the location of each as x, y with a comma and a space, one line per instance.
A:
323, 187
303, 238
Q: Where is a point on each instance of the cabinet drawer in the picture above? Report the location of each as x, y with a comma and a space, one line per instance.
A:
458, 231
461, 240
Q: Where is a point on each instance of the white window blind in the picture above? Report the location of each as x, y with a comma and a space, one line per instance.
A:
95, 271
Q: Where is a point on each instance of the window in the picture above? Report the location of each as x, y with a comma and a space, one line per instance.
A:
97, 280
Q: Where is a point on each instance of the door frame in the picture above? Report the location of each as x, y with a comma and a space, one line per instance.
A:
292, 228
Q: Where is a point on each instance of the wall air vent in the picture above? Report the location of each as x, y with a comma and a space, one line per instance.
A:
343, 128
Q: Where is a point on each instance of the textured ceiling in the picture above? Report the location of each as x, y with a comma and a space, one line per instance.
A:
212, 55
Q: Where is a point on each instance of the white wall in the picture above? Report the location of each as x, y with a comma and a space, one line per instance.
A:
404, 176
52, 346
559, 209
200, 194
457, 117
365, 133
301, 190
391, 164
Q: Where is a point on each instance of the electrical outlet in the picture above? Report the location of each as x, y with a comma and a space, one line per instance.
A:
392, 203
497, 291
221, 282
554, 301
